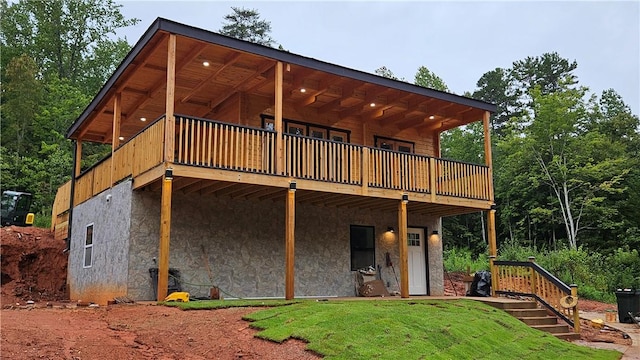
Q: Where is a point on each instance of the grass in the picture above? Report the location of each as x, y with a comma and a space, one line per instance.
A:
223, 304
451, 329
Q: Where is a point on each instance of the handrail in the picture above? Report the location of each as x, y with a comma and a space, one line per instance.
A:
526, 278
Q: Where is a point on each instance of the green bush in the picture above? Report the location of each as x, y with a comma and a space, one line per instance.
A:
596, 275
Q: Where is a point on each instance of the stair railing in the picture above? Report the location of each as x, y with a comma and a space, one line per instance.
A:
528, 279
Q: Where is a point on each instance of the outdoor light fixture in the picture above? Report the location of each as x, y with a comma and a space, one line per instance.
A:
121, 138
303, 90
205, 63
168, 174
143, 119
390, 229
292, 185
431, 117
372, 104
405, 197
435, 232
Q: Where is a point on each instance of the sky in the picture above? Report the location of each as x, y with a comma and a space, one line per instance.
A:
458, 41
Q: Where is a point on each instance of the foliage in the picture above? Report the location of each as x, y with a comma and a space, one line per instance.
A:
386, 73
451, 329
245, 24
426, 78
69, 39
461, 259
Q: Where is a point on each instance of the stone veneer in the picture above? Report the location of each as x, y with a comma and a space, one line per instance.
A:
238, 245
109, 212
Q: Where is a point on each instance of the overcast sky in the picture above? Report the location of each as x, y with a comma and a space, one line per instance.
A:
459, 41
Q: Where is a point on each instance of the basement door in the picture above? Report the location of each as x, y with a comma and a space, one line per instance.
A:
417, 263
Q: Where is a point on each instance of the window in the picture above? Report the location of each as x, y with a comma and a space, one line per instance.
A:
362, 247
301, 128
88, 246
394, 144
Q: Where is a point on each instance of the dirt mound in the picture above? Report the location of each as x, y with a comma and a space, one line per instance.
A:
34, 266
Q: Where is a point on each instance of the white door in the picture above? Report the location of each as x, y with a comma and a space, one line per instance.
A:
417, 264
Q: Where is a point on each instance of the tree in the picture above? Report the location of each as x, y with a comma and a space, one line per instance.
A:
386, 73
495, 87
68, 39
245, 24
425, 78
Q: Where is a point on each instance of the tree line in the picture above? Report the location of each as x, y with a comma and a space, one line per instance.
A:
565, 161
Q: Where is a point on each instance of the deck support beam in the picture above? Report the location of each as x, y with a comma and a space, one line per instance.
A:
115, 136
170, 120
279, 80
488, 160
165, 234
78, 159
290, 226
402, 243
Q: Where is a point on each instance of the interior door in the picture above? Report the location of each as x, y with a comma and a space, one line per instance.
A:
417, 262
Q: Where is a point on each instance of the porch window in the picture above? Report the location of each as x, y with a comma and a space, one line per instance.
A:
88, 247
394, 144
362, 247
296, 127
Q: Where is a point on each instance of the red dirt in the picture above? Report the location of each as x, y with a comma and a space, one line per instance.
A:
34, 268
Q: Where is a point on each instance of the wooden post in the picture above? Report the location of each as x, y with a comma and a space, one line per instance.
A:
432, 179
576, 313
491, 229
78, 158
290, 223
170, 121
402, 242
487, 152
278, 119
365, 169
115, 135
165, 235
532, 275
494, 275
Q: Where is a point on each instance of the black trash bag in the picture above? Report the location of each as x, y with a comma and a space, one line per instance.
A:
481, 285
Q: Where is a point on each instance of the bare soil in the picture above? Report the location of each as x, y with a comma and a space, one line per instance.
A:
34, 269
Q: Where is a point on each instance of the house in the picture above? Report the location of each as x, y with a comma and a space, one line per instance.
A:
263, 173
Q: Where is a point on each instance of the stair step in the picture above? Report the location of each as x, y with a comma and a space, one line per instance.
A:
539, 320
569, 336
522, 313
520, 305
554, 329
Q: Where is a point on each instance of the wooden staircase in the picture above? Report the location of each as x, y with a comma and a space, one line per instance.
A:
537, 318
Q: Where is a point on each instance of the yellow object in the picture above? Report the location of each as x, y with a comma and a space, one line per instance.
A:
597, 323
180, 296
568, 301
29, 219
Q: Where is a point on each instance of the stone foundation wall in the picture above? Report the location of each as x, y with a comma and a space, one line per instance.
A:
109, 212
238, 245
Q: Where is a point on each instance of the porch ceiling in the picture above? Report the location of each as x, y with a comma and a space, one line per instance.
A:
236, 67
240, 191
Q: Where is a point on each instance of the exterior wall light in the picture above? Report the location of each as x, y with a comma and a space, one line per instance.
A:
390, 229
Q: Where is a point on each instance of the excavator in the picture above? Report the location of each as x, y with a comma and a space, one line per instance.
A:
14, 208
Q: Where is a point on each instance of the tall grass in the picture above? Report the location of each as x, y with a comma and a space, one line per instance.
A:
597, 275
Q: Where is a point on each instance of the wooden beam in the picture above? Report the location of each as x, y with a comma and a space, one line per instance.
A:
402, 242
78, 164
170, 121
165, 236
278, 118
228, 62
487, 150
491, 230
115, 137
241, 86
290, 226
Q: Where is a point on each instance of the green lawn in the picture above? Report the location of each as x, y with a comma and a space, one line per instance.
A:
408, 329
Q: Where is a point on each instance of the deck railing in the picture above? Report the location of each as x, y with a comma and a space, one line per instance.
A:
526, 278
219, 145
139, 154
213, 144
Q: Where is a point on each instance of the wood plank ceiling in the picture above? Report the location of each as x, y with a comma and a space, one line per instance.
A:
209, 75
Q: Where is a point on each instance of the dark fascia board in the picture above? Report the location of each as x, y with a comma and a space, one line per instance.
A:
161, 24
